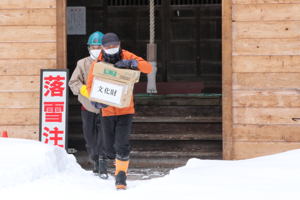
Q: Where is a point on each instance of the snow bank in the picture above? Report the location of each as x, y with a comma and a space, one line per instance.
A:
26, 160
273, 177
32, 170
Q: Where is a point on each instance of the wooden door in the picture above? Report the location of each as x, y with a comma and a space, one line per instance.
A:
193, 41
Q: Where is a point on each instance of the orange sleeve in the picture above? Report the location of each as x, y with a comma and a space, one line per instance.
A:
90, 78
143, 65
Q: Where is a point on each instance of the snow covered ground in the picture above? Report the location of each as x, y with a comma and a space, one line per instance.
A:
32, 170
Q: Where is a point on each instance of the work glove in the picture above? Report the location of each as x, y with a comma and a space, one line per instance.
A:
127, 64
84, 92
98, 105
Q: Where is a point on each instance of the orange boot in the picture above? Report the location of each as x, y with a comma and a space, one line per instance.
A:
121, 173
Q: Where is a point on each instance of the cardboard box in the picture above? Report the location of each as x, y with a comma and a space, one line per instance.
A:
113, 86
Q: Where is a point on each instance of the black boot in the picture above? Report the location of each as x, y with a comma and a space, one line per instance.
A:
103, 168
95, 166
121, 180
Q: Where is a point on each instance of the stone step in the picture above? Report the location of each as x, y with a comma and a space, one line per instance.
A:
216, 137
156, 159
171, 119
177, 145
159, 159
164, 119
160, 145
166, 111
178, 111
175, 137
172, 154
170, 100
178, 101
164, 128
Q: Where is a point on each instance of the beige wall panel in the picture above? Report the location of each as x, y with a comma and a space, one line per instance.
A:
252, 30
19, 99
28, 50
265, 116
263, 1
266, 80
244, 150
27, 4
266, 63
25, 66
21, 17
227, 79
280, 98
28, 34
19, 83
25, 132
266, 133
266, 12
24, 116
267, 47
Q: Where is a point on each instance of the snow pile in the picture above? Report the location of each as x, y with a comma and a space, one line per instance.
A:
32, 170
273, 177
26, 160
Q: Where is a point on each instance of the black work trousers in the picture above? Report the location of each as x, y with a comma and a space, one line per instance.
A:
116, 131
93, 134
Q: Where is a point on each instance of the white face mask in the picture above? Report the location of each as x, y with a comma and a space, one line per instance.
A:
112, 50
94, 53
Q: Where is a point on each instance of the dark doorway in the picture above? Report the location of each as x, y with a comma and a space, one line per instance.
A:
167, 128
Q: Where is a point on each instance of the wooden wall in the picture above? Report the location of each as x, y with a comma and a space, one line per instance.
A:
265, 77
27, 43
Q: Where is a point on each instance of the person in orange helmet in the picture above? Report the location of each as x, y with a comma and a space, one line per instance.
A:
117, 122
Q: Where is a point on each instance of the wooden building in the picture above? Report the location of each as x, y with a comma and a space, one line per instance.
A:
259, 74
32, 37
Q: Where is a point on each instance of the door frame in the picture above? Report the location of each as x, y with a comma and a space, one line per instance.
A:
227, 120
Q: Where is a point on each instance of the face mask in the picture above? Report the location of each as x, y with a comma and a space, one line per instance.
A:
94, 53
112, 51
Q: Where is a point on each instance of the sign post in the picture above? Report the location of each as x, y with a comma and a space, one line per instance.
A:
54, 107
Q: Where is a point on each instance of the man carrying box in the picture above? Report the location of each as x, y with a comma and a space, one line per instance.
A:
117, 122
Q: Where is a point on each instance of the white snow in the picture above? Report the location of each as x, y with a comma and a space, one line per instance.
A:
32, 170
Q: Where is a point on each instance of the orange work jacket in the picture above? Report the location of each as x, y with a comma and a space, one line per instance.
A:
143, 66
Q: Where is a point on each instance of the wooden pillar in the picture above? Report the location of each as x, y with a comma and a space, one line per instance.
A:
61, 37
227, 78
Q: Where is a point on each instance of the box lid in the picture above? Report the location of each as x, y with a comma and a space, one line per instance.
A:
109, 71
